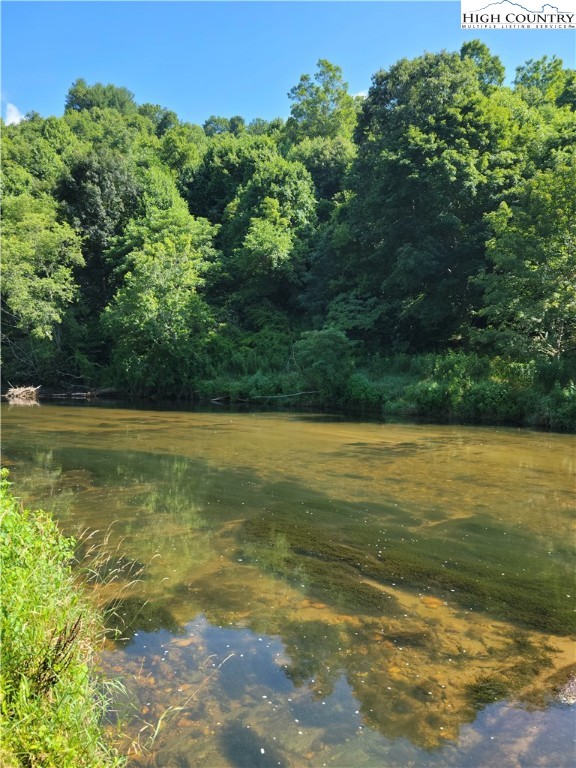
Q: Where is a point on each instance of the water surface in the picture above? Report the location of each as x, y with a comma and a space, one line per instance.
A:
299, 590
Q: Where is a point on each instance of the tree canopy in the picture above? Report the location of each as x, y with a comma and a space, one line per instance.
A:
434, 216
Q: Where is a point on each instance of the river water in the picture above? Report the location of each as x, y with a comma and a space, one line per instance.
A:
289, 589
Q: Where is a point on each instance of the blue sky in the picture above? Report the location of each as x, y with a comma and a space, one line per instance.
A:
227, 58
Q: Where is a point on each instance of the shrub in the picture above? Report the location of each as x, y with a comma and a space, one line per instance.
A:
324, 358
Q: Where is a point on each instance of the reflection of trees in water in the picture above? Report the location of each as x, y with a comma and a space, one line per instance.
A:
168, 510
410, 682
127, 615
40, 482
148, 503
314, 648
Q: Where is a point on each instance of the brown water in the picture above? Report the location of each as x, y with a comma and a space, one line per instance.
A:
313, 591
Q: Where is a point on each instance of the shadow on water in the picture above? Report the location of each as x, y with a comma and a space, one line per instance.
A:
125, 616
344, 552
245, 748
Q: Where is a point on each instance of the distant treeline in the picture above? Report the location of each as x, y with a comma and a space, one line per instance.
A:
412, 251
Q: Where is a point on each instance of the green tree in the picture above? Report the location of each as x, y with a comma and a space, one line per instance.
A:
39, 256
328, 160
324, 358
215, 126
261, 127
540, 79
435, 153
266, 230
490, 70
182, 149
159, 322
107, 129
530, 290
35, 154
163, 215
163, 119
100, 194
82, 96
228, 163
321, 105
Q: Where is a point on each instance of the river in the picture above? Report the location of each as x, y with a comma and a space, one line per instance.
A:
297, 589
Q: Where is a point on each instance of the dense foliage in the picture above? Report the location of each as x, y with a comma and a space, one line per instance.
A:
411, 251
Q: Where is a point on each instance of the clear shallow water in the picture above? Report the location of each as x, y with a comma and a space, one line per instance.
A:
314, 591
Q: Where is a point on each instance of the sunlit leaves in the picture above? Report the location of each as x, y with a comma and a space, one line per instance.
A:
158, 321
321, 106
39, 254
530, 293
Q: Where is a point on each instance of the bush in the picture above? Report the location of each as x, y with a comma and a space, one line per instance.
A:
428, 398
324, 358
558, 409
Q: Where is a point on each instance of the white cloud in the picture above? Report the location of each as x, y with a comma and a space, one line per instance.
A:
13, 115
361, 94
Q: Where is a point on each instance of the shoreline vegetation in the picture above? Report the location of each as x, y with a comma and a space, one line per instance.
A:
53, 704
455, 386
407, 253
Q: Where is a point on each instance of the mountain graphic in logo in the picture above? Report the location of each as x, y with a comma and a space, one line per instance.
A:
526, 14
507, 6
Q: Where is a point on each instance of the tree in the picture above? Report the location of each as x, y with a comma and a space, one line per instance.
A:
321, 106
158, 322
530, 291
265, 234
279, 192
490, 70
268, 243
163, 119
261, 127
35, 153
324, 358
99, 195
39, 254
182, 149
328, 160
545, 80
163, 215
228, 163
39, 257
435, 153
215, 126
82, 96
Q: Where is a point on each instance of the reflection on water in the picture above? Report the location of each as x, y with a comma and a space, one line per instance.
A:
320, 592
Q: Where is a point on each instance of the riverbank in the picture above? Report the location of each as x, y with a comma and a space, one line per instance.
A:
53, 704
462, 387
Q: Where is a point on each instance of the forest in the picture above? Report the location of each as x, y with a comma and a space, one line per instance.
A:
407, 253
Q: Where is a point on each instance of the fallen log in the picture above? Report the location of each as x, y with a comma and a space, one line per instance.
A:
82, 395
294, 394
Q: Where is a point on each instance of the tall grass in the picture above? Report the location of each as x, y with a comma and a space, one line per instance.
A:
52, 704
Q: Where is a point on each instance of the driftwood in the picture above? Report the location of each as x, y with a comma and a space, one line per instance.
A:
294, 394
226, 398
31, 395
88, 395
22, 395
